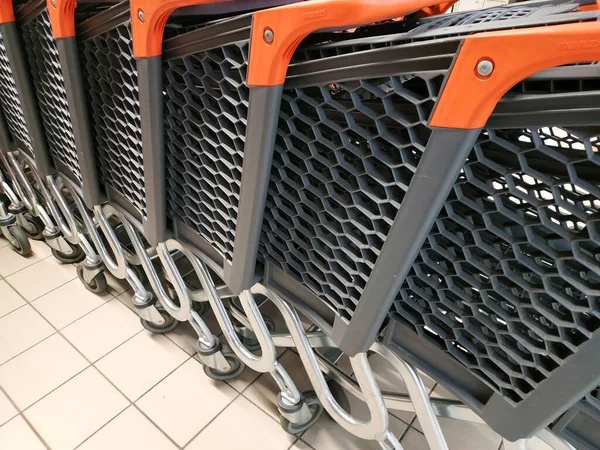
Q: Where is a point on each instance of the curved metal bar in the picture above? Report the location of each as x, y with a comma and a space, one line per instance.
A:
418, 395
116, 266
68, 226
264, 363
25, 191
376, 428
14, 200
183, 311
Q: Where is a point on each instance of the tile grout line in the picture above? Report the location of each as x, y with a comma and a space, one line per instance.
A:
26, 267
22, 415
131, 403
91, 364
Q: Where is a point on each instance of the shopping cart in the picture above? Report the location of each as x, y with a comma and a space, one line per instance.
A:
373, 132
29, 160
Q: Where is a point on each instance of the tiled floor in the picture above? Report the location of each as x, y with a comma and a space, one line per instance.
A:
78, 371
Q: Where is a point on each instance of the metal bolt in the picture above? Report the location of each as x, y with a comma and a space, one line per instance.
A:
141, 15
485, 67
269, 36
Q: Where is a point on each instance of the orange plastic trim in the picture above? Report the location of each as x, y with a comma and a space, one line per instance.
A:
292, 23
7, 14
148, 33
436, 9
468, 100
62, 17
593, 7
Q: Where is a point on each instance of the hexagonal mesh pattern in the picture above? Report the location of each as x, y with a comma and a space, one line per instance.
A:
205, 123
50, 91
344, 158
508, 280
111, 74
11, 105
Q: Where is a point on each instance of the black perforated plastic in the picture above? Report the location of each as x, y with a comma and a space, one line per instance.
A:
206, 107
11, 105
50, 90
509, 277
111, 74
344, 157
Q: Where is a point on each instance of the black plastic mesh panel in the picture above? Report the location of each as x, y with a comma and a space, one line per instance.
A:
50, 91
11, 105
206, 107
508, 280
344, 157
112, 85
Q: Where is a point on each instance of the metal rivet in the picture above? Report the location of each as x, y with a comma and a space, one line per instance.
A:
269, 36
54, 3
141, 15
485, 67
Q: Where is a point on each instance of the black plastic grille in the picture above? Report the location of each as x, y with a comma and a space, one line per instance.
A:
50, 91
111, 74
206, 107
508, 280
11, 105
344, 157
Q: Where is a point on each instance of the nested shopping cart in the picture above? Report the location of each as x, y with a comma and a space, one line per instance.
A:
465, 124
28, 155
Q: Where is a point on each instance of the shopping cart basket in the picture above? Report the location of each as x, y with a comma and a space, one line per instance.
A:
373, 132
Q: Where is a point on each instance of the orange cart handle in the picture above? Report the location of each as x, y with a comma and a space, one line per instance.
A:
276, 32
148, 20
62, 17
468, 99
7, 13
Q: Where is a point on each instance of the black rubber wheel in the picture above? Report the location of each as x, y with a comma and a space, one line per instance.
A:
19, 240
98, 285
251, 343
75, 256
237, 368
35, 227
316, 409
169, 325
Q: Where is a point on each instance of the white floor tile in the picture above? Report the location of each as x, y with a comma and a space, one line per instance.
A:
7, 410
242, 425
328, 435
74, 411
38, 371
129, 430
41, 278
141, 362
116, 286
301, 446
9, 299
11, 261
186, 401
20, 330
263, 392
103, 329
413, 440
16, 435
68, 303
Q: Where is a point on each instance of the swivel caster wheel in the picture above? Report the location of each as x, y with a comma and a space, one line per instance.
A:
237, 367
76, 254
169, 325
252, 343
34, 228
97, 285
316, 410
19, 240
